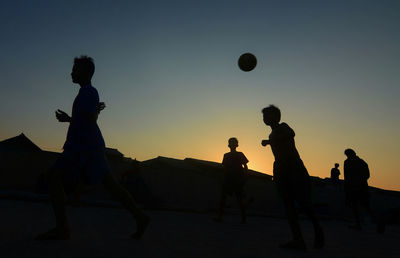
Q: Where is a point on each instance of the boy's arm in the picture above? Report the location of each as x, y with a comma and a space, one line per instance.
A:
223, 164
366, 169
100, 107
62, 116
265, 142
91, 107
244, 162
282, 134
277, 140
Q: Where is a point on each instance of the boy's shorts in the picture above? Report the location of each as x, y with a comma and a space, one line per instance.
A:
292, 181
358, 194
88, 167
233, 185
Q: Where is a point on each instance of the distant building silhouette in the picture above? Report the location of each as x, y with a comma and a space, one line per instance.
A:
165, 179
23, 163
19, 143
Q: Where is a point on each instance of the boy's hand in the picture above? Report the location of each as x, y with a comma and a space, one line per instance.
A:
62, 116
101, 106
264, 142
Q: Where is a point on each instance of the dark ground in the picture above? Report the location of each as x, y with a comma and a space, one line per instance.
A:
104, 232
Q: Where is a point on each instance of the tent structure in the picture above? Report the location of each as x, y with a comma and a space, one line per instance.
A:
167, 183
19, 142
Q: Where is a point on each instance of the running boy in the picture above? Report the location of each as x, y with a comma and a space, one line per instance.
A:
291, 178
84, 157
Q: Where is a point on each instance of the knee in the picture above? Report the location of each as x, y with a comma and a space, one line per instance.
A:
110, 183
53, 176
239, 196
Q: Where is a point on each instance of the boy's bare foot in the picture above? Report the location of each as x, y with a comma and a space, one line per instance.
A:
217, 219
141, 226
319, 240
54, 234
356, 227
76, 203
380, 227
294, 245
250, 200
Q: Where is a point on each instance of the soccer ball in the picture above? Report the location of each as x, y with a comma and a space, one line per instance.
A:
247, 62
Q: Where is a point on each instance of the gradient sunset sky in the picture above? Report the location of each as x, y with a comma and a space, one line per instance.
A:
167, 71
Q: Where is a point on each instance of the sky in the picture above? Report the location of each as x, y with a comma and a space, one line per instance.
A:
167, 71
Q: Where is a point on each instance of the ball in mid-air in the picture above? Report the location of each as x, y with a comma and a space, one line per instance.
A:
247, 62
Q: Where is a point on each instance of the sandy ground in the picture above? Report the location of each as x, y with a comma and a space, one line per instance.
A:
104, 232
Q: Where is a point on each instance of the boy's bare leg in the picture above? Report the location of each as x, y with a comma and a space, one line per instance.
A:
356, 214
142, 220
378, 220
319, 239
76, 197
298, 242
239, 197
293, 219
58, 199
221, 207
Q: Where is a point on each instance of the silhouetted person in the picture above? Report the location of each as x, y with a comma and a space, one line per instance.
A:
291, 178
356, 174
335, 172
235, 172
84, 157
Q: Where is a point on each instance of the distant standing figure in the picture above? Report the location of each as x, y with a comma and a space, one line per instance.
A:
356, 175
291, 178
83, 158
335, 172
235, 172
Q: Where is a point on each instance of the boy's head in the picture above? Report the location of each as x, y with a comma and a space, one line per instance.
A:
83, 69
336, 165
350, 153
233, 143
271, 115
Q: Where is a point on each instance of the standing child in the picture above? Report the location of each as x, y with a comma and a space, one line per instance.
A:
235, 171
335, 173
291, 178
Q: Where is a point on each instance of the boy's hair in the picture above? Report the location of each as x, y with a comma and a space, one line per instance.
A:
86, 62
273, 111
350, 153
233, 140
336, 164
